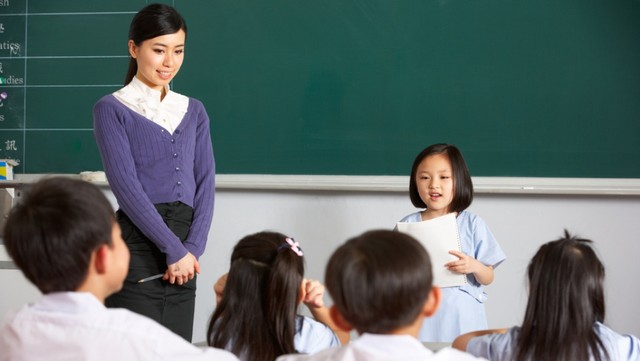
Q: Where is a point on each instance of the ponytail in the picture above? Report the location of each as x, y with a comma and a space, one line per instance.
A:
256, 317
132, 71
282, 296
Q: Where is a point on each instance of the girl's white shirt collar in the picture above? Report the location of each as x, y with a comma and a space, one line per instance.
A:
168, 112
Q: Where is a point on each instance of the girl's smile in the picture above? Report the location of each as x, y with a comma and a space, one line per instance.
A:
434, 179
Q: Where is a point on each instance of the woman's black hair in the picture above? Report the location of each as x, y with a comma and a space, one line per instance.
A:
256, 317
152, 21
462, 184
566, 299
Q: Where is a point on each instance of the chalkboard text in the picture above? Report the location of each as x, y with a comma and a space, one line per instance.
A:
14, 48
11, 80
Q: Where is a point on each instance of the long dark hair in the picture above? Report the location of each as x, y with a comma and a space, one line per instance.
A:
152, 21
566, 299
462, 185
256, 316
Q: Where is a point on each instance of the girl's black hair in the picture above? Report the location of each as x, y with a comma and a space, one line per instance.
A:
256, 317
462, 185
566, 299
152, 21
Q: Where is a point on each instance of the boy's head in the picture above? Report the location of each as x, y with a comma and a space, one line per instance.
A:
381, 282
62, 231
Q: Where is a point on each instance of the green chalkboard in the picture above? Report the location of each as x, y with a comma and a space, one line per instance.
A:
354, 87
56, 59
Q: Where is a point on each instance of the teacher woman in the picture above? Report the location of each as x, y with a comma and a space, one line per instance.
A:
156, 151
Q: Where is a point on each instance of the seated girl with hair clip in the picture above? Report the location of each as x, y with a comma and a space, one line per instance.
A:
256, 316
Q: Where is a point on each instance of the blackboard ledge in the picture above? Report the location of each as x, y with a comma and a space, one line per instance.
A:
482, 185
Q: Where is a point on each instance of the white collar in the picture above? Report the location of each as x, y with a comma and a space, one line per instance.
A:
392, 344
137, 91
69, 302
146, 101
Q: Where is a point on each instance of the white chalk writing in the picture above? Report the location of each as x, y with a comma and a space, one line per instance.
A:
10, 145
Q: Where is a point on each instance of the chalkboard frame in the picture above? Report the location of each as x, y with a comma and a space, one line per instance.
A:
309, 88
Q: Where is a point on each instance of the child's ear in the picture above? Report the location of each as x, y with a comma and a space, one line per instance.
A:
433, 301
100, 259
338, 320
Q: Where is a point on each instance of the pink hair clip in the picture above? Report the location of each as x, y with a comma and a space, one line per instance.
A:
295, 247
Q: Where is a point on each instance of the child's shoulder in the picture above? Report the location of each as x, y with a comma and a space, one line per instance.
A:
468, 215
472, 219
312, 336
411, 218
621, 346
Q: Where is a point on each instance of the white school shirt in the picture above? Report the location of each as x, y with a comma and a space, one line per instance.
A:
76, 326
167, 113
372, 347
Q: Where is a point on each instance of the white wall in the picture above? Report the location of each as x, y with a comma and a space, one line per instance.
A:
321, 220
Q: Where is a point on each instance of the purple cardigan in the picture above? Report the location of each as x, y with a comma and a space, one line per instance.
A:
146, 165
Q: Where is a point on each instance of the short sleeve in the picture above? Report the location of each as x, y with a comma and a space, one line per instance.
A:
313, 336
486, 248
495, 346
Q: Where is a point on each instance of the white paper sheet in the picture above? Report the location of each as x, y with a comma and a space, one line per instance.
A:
438, 236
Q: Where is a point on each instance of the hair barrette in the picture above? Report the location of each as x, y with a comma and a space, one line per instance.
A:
295, 247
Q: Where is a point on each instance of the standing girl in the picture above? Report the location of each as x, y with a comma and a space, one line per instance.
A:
565, 312
440, 182
156, 151
256, 318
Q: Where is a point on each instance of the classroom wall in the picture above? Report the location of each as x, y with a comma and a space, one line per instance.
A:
321, 220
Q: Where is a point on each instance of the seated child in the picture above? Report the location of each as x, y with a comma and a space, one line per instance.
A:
564, 316
64, 237
381, 286
312, 297
256, 317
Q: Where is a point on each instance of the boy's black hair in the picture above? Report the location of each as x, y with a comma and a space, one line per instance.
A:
51, 233
379, 281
